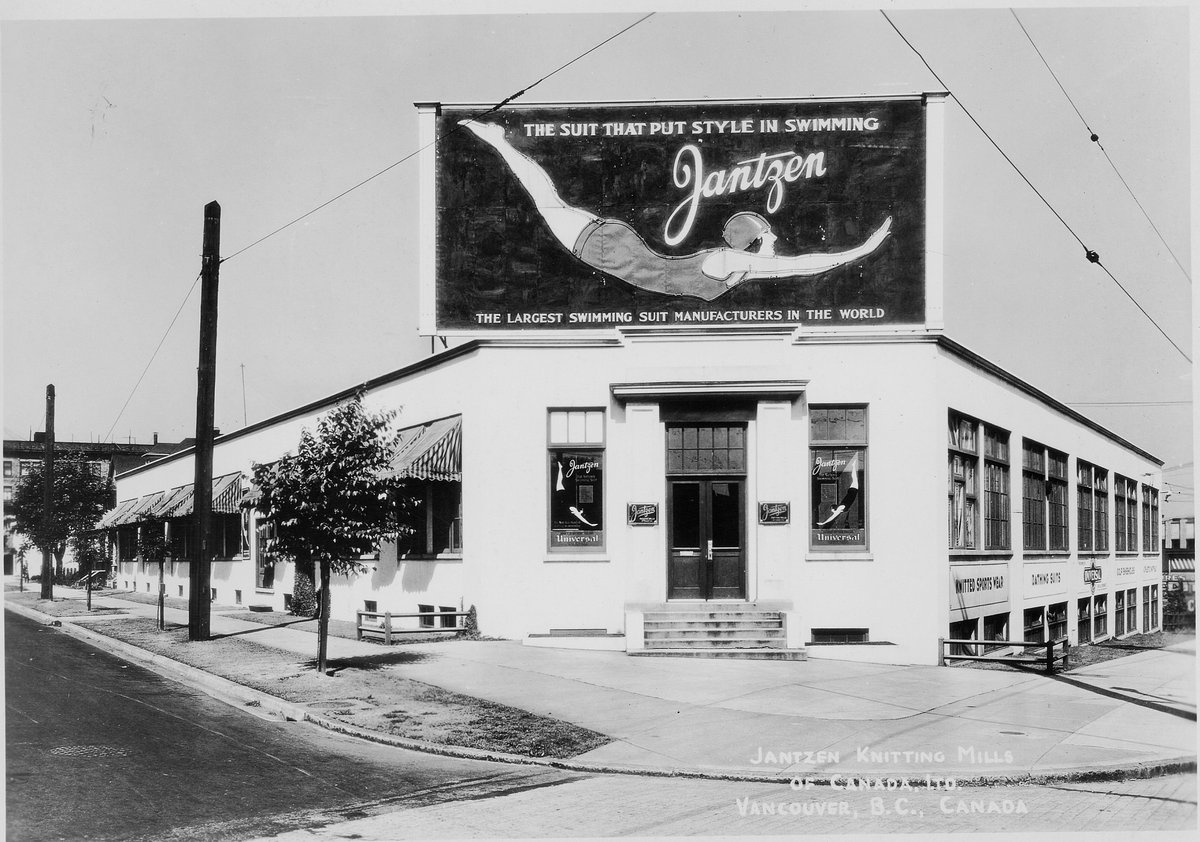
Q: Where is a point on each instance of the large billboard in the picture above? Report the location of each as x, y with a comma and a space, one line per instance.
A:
591, 216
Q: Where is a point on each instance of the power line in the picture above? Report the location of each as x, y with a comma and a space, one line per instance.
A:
1091, 255
1095, 138
1130, 403
328, 202
157, 347
418, 151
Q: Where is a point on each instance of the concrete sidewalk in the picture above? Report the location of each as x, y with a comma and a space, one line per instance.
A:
812, 719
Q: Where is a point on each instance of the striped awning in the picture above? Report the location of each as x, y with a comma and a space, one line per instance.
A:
114, 517
226, 497
1181, 565
431, 451
178, 502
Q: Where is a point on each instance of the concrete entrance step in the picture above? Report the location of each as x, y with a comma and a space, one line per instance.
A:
745, 654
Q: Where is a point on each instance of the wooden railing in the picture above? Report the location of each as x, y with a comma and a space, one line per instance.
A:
382, 627
1048, 659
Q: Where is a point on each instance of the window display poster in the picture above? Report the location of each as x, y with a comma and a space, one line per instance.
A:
576, 499
838, 497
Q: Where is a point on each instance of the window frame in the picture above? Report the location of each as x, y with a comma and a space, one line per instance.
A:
423, 543
1045, 499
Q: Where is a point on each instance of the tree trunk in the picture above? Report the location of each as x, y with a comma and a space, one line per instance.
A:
304, 594
323, 619
162, 597
59, 552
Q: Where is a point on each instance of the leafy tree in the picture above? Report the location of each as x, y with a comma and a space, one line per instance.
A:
332, 502
80, 497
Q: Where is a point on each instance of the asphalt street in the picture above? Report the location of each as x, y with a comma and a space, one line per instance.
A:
101, 749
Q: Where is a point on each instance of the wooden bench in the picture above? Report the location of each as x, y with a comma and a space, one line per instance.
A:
377, 625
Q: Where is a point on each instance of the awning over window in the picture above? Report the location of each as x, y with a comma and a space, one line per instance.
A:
178, 502
1181, 565
115, 517
431, 451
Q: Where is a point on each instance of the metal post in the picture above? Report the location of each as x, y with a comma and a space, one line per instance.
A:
47, 590
941, 651
206, 381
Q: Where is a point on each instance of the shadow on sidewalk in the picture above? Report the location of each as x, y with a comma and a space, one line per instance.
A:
1123, 697
262, 628
368, 663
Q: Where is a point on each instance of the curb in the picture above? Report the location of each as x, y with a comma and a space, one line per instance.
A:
257, 703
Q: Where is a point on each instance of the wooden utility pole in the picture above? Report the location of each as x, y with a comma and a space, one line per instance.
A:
206, 389
48, 496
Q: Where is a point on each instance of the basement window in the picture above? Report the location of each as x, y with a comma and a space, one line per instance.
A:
840, 636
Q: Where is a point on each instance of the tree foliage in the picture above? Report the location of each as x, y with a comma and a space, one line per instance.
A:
80, 495
333, 502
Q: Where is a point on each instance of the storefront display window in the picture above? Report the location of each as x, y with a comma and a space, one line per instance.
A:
576, 479
838, 468
1035, 625
1056, 619
264, 560
1084, 623
1100, 613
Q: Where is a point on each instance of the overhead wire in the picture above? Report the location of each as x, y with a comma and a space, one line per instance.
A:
153, 354
1091, 254
365, 181
1095, 138
508, 99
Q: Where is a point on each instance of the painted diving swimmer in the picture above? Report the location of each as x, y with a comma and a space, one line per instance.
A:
613, 247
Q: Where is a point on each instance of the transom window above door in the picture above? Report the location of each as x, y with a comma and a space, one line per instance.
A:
706, 449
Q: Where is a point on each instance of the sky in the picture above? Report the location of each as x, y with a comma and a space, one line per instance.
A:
116, 129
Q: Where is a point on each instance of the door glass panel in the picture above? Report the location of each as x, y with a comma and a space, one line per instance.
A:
726, 507
685, 515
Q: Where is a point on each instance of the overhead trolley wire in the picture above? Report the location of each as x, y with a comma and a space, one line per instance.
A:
508, 99
1095, 138
367, 180
1091, 255
154, 354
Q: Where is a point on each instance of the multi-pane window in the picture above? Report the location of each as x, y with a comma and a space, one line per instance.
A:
963, 473
1084, 623
1044, 519
1131, 611
1119, 614
1033, 496
1149, 519
838, 468
1100, 510
995, 489
1083, 495
963, 489
576, 478
8, 468
1152, 623
1126, 514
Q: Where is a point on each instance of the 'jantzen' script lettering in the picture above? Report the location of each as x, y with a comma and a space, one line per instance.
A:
586, 467
777, 169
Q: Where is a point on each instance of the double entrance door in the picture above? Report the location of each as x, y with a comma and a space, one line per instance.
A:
706, 512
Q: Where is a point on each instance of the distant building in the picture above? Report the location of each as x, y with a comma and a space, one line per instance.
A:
106, 458
1179, 573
